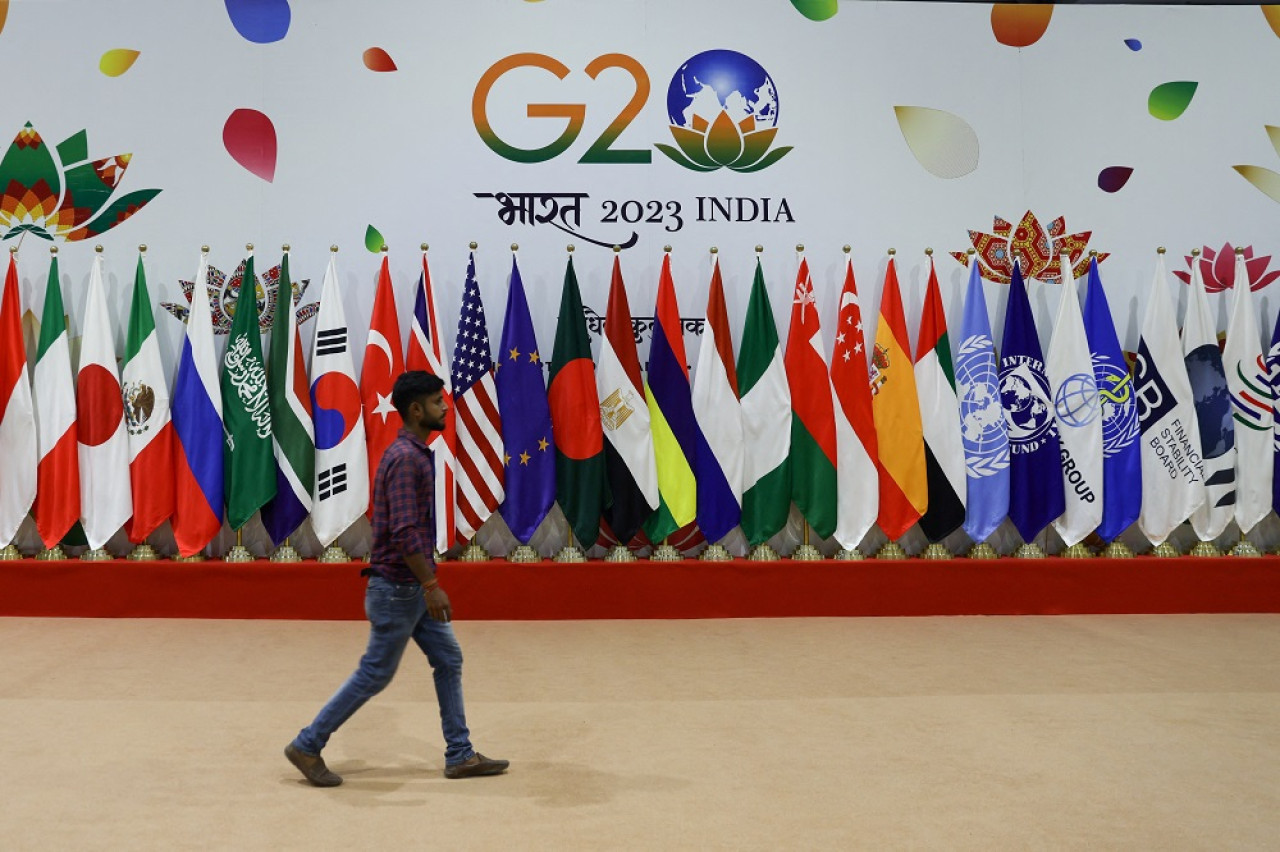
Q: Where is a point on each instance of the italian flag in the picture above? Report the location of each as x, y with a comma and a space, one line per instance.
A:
57, 505
146, 413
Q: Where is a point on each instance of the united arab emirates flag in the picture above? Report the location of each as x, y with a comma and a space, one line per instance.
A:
575, 418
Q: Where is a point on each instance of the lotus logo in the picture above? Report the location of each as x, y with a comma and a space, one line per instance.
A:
66, 196
723, 108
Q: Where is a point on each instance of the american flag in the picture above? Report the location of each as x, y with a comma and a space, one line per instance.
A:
426, 353
479, 426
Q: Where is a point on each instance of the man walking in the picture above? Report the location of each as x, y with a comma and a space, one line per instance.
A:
404, 600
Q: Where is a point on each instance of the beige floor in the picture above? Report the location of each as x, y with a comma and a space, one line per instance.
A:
1158, 732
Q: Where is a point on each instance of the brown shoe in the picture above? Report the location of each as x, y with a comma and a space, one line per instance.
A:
312, 767
476, 766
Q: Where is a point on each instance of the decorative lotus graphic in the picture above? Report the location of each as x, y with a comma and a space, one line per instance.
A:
1035, 249
723, 108
67, 196
224, 293
1218, 269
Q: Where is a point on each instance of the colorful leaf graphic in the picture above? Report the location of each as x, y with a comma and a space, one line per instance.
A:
1113, 178
373, 240
1020, 25
4, 13
250, 139
943, 143
1274, 133
1133, 44
816, 10
1272, 13
116, 62
1169, 100
260, 21
1264, 179
377, 59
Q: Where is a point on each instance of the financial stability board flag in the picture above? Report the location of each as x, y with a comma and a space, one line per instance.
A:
197, 429
383, 361
718, 462
766, 420
675, 432
983, 431
1251, 401
1273, 371
57, 503
1216, 433
426, 352
249, 472
340, 493
106, 499
630, 467
1035, 465
857, 487
904, 490
146, 411
1078, 410
813, 424
1172, 484
1121, 455
940, 410
479, 483
18, 446
292, 436
575, 418
529, 449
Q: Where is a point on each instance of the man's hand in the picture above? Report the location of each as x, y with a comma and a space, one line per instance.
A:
438, 605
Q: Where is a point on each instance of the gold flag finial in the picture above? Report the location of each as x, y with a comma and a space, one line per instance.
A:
474, 245
425, 247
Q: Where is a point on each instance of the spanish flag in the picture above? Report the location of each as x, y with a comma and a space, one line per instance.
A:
904, 492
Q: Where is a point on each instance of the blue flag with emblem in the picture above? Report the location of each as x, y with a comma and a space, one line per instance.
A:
1273, 369
528, 449
1121, 460
1035, 466
982, 427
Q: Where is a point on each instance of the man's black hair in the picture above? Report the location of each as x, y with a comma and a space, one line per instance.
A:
411, 386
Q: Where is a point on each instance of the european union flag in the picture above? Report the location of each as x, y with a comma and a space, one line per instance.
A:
529, 448
1035, 464
1121, 460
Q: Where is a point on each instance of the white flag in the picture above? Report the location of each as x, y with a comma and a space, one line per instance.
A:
1216, 431
106, 498
342, 464
1251, 398
1078, 410
1172, 487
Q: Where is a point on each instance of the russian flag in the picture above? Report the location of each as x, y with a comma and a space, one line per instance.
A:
197, 425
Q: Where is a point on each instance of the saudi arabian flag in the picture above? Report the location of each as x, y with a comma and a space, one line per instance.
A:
249, 478
766, 420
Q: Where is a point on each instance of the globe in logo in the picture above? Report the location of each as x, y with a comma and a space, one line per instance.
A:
1024, 393
723, 108
982, 430
1119, 414
1077, 400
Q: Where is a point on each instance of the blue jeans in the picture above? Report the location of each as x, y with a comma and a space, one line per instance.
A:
398, 613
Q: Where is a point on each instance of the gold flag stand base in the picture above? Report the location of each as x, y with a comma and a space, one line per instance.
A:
195, 557
1029, 551
333, 553
98, 554
239, 553
524, 553
1117, 550
571, 553
52, 554
936, 550
891, 550
849, 554
982, 550
9, 553
619, 553
763, 553
665, 553
285, 553
715, 553
1165, 550
1078, 551
1245, 548
1205, 548
807, 553
143, 553
473, 553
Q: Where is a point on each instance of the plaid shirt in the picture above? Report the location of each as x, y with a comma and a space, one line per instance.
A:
403, 491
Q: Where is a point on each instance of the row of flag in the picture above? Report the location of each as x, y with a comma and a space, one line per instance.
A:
944, 437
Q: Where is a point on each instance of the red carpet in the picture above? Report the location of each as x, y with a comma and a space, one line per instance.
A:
643, 589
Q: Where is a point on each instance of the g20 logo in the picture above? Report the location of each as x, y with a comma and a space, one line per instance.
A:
722, 107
